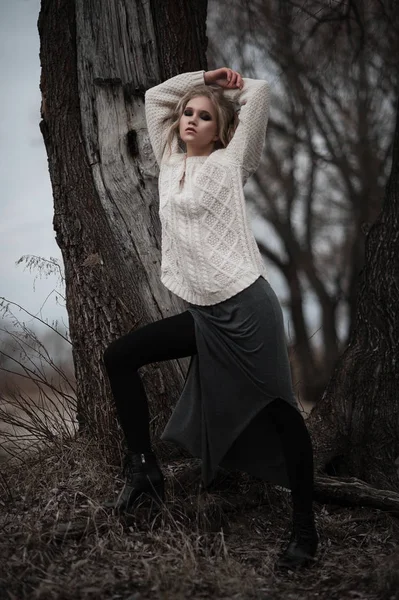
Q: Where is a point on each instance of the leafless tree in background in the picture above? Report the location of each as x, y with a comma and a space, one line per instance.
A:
326, 162
355, 426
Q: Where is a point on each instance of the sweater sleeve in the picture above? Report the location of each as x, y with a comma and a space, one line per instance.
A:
160, 101
246, 146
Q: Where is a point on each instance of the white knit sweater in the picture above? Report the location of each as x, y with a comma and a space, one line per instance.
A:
209, 252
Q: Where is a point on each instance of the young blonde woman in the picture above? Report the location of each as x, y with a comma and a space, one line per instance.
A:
237, 408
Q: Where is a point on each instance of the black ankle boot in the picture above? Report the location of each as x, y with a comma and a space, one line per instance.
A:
144, 479
303, 543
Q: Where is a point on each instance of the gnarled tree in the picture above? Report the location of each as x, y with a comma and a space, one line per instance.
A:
98, 58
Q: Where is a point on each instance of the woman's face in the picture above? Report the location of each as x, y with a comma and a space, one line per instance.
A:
200, 114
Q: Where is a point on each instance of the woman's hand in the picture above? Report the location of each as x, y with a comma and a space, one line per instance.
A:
225, 77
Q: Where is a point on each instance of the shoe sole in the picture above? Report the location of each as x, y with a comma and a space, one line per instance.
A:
305, 563
154, 497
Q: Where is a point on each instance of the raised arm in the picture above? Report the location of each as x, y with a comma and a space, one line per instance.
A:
160, 101
246, 146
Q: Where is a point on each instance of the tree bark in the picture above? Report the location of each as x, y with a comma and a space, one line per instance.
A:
98, 58
355, 428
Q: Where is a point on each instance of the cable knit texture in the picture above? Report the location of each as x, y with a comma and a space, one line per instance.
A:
209, 252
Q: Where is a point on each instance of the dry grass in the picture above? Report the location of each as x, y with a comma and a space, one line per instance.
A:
58, 543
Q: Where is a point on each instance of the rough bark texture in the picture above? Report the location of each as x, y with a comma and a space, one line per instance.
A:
355, 428
97, 59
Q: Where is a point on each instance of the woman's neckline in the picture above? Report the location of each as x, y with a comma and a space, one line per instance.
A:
194, 158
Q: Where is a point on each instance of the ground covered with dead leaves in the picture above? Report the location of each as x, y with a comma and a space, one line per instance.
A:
58, 543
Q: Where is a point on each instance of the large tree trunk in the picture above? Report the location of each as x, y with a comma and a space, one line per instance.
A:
355, 427
98, 57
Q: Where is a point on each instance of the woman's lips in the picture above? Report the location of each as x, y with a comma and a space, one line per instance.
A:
190, 130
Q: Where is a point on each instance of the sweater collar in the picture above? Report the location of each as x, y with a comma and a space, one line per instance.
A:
191, 159
196, 158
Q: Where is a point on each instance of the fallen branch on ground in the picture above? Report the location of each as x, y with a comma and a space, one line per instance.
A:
350, 491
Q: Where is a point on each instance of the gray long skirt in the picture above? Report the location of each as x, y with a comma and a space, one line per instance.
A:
241, 365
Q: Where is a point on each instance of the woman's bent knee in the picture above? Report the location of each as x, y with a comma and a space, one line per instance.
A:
112, 354
107, 356
121, 352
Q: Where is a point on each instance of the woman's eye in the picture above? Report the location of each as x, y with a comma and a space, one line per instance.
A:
188, 114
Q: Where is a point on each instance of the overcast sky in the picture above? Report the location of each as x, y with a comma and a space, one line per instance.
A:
26, 204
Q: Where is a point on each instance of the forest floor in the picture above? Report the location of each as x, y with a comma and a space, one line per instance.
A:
57, 542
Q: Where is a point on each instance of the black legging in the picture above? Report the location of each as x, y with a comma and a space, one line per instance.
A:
174, 337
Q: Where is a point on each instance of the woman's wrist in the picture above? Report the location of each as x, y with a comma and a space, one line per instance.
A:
224, 77
207, 77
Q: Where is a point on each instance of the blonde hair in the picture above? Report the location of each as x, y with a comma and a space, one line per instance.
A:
226, 115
